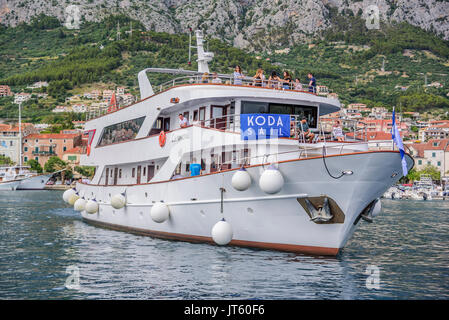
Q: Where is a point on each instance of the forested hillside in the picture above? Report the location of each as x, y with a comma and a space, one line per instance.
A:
388, 67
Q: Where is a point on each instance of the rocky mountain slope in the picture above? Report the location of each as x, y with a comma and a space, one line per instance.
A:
243, 23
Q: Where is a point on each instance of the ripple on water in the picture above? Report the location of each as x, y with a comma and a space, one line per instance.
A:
40, 237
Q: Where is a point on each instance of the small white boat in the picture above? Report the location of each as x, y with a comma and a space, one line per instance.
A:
10, 185
22, 178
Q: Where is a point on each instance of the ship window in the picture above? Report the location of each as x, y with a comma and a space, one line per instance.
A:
310, 112
133, 173
144, 171
123, 131
120, 173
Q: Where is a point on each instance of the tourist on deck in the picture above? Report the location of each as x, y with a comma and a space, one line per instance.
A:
304, 131
183, 122
215, 78
312, 82
238, 75
298, 85
287, 80
205, 78
259, 78
337, 132
274, 80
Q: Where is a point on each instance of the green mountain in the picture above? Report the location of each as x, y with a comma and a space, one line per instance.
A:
371, 66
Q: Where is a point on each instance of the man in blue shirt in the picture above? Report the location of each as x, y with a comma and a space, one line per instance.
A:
312, 83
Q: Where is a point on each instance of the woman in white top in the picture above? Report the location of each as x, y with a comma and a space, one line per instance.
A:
298, 85
238, 75
338, 132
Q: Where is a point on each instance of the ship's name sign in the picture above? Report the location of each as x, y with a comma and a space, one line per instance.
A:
264, 126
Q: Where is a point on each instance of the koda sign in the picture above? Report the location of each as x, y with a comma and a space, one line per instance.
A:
264, 126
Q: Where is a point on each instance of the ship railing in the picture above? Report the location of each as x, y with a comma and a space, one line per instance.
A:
230, 80
313, 151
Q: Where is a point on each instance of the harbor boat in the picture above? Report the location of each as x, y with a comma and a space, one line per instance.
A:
237, 171
22, 178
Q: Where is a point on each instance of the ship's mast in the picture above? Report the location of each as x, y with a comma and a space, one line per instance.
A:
203, 56
20, 135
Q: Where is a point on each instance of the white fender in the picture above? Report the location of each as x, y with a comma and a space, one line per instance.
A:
73, 198
160, 212
92, 206
222, 232
241, 180
271, 181
118, 201
79, 204
67, 194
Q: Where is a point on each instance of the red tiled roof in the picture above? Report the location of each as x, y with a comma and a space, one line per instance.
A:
53, 136
442, 144
76, 150
15, 128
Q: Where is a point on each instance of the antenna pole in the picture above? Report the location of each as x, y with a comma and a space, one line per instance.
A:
190, 46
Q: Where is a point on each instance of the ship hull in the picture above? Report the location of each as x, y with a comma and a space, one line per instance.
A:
269, 221
34, 183
9, 185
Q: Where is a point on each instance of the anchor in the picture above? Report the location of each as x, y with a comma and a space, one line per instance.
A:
367, 215
323, 214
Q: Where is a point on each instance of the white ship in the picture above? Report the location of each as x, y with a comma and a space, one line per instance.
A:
22, 178
207, 183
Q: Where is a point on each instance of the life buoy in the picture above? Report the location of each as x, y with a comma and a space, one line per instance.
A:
162, 138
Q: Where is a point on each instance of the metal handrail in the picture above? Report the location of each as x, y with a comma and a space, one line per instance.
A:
227, 79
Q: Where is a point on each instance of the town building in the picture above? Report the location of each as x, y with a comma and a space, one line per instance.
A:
434, 152
107, 95
72, 156
5, 91
43, 146
38, 85
435, 130
10, 139
21, 97
120, 90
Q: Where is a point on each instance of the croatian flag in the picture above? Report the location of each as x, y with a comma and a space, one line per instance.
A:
397, 139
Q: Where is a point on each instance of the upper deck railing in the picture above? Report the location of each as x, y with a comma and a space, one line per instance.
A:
230, 80
220, 79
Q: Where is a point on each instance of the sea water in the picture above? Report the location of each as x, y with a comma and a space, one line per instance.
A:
48, 252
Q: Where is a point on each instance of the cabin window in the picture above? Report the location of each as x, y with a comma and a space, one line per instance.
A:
144, 171
123, 131
195, 115
120, 173
310, 112
133, 174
